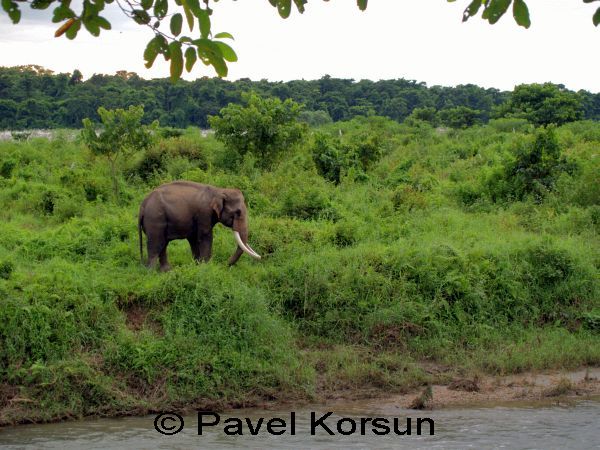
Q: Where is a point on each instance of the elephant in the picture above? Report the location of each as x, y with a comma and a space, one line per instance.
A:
188, 210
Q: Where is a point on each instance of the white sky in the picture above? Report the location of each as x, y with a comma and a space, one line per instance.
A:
421, 40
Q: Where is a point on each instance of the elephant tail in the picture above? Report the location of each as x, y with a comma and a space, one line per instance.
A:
140, 226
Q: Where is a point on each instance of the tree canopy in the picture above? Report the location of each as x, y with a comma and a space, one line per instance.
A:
34, 97
182, 50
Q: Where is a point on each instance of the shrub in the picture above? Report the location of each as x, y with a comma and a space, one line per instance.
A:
307, 202
265, 127
6, 269
459, 117
7, 167
336, 158
157, 158
534, 171
330, 157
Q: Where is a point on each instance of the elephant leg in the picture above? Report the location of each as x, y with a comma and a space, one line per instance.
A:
154, 247
205, 246
164, 262
194, 247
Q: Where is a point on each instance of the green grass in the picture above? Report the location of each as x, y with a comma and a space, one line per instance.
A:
360, 282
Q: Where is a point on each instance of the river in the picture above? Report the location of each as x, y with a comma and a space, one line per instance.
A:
524, 426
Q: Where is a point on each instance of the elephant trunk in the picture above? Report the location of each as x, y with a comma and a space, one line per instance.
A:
240, 233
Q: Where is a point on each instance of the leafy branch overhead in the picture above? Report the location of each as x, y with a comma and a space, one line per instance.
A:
166, 18
493, 10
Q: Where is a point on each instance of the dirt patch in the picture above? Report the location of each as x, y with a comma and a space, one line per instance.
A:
8, 394
137, 318
465, 385
498, 390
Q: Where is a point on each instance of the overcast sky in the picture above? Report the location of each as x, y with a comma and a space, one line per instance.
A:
421, 40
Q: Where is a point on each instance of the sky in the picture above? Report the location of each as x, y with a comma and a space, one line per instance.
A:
422, 40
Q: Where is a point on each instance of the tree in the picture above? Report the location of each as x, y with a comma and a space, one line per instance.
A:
459, 117
122, 132
181, 50
426, 114
264, 127
543, 104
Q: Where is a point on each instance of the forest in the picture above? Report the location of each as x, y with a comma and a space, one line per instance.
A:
34, 97
394, 254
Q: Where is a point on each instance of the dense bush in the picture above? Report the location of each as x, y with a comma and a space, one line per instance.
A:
157, 158
335, 157
534, 171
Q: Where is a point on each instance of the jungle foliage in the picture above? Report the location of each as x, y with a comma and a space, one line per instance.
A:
34, 97
384, 245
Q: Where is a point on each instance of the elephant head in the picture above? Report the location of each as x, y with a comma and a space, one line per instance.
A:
231, 211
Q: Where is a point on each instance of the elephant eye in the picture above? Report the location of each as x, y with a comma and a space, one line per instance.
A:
238, 212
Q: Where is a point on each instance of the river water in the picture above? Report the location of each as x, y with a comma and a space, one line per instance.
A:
562, 426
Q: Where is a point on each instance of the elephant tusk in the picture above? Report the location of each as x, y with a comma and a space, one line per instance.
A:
252, 250
243, 246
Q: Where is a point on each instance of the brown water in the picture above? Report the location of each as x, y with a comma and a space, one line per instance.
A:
524, 427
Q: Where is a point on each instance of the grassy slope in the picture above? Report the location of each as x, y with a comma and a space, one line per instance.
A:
359, 284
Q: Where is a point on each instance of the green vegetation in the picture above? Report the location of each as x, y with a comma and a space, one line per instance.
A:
262, 128
33, 97
122, 132
385, 245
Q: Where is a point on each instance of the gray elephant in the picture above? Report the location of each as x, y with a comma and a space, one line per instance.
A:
188, 210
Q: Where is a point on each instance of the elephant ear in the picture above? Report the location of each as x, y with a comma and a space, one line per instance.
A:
217, 205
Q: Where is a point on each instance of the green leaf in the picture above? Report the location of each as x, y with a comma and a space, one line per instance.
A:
210, 53
154, 47
176, 22
176, 60
15, 14
472, 9
194, 6
495, 10
204, 20
227, 51
61, 13
189, 16
40, 4
150, 53
92, 26
284, 7
596, 18
161, 7
71, 33
103, 23
300, 5
223, 35
146, 4
219, 65
141, 16
190, 58
521, 13
207, 46
362, 4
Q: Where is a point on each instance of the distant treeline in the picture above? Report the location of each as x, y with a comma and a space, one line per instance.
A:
33, 97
